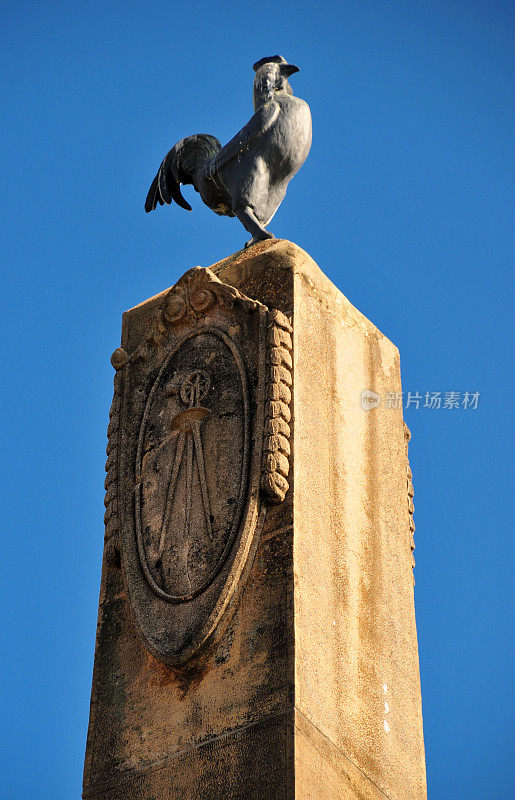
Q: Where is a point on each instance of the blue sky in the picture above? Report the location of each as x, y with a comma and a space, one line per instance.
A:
406, 202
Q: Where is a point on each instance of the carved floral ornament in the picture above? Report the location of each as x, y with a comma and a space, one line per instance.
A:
207, 442
195, 294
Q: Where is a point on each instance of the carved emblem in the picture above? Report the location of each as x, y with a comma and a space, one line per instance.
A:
198, 438
192, 464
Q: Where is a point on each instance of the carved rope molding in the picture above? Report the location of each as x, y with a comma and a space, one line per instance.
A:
111, 517
411, 507
276, 448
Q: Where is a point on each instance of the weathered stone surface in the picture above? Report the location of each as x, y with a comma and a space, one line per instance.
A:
308, 687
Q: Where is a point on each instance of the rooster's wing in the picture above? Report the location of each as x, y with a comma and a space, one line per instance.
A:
258, 124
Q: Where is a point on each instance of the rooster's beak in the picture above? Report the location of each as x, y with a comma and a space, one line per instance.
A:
289, 69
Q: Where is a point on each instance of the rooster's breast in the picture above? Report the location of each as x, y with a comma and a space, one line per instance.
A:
289, 139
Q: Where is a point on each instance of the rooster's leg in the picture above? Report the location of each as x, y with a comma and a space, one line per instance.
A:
248, 219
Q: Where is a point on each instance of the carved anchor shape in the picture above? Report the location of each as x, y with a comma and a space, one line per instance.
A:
192, 390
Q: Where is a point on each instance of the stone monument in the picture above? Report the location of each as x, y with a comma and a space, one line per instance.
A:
256, 634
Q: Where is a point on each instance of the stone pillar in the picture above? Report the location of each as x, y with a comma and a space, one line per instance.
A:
256, 634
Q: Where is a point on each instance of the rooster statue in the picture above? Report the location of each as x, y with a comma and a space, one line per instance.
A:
248, 177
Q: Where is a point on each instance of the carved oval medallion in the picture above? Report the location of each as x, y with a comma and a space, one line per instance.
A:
192, 465
190, 445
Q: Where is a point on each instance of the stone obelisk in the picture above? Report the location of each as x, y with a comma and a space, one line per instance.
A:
256, 635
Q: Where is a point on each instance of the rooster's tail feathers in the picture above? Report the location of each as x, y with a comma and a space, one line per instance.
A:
181, 165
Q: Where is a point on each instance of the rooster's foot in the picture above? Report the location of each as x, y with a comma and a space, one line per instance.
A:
252, 224
260, 238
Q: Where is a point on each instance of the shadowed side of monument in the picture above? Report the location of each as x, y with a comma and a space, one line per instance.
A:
256, 634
